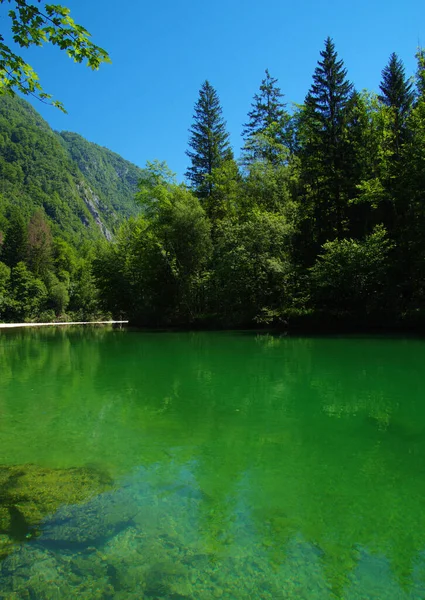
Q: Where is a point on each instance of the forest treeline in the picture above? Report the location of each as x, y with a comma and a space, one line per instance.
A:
320, 222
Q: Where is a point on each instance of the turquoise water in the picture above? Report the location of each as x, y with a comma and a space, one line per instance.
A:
210, 465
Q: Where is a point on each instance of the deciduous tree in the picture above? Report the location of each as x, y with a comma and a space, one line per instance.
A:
39, 244
37, 23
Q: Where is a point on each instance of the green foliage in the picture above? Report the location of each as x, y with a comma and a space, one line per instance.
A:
420, 71
29, 294
252, 267
226, 182
155, 187
352, 275
324, 148
266, 134
85, 190
209, 141
397, 91
39, 244
52, 210
4, 289
34, 26
59, 297
83, 293
113, 179
397, 95
268, 187
154, 271
325, 219
14, 248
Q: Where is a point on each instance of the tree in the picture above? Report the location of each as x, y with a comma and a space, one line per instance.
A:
28, 292
268, 187
351, 275
209, 141
34, 26
154, 271
251, 267
58, 298
227, 186
264, 134
420, 71
4, 288
39, 244
397, 95
408, 188
15, 243
325, 151
396, 102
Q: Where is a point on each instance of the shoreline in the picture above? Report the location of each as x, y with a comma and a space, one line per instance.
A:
11, 325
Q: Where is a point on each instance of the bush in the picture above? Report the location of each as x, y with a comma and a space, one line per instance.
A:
352, 275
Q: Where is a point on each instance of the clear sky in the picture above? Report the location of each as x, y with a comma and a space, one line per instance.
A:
141, 106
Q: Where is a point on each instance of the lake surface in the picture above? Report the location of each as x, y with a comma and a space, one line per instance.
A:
210, 465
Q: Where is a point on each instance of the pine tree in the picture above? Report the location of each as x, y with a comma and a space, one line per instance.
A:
397, 95
209, 141
15, 243
325, 150
396, 90
329, 95
264, 134
405, 181
420, 72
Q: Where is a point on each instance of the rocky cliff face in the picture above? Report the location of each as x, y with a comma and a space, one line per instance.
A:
85, 190
113, 179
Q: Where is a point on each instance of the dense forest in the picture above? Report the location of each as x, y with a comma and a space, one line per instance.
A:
59, 195
319, 223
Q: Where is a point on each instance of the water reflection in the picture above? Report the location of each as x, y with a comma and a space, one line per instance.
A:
244, 466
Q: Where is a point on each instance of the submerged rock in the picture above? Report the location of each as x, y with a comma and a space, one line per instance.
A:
28, 494
91, 523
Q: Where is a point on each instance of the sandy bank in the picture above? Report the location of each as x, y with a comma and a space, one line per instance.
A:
8, 325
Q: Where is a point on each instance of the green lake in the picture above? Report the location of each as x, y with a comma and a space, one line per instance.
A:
210, 465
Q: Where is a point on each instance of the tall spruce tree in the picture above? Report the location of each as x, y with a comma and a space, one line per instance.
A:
405, 176
397, 95
420, 72
265, 132
325, 150
209, 141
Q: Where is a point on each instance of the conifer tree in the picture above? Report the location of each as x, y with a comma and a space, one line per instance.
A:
329, 95
208, 142
264, 133
405, 183
420, 72
15, 243
325, 152
397, 95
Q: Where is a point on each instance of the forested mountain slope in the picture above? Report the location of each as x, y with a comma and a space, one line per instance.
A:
114, 178
59, 197
85, 190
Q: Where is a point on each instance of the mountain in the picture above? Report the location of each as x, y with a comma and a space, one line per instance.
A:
114, 179
85, 190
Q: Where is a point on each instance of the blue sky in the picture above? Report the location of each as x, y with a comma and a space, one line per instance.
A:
141, 106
